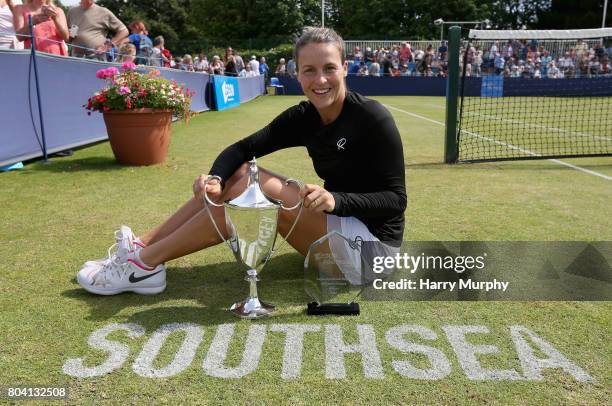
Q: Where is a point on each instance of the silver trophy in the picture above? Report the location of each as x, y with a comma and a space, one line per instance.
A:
251, 220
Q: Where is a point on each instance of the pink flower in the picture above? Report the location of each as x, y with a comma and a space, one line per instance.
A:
124, 90
128, 66
107, 73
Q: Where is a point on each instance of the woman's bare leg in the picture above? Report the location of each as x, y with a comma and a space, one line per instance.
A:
180, 217
189, 210
168, 241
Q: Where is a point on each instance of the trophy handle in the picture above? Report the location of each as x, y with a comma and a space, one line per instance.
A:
299, 204
207, 201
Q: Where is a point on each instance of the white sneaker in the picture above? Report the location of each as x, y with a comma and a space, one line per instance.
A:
125, 241
130, 276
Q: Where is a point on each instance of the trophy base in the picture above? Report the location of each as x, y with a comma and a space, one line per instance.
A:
252, 308
342, 309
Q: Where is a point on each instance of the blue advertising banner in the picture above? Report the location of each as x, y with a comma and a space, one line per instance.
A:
492, 86
227, 93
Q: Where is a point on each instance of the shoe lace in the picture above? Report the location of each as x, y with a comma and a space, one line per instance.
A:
113, 266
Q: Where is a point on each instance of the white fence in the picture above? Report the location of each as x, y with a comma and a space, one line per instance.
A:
555, 47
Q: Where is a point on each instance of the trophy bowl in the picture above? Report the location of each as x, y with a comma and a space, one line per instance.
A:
251, 221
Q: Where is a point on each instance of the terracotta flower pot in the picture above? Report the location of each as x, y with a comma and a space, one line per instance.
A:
139, 137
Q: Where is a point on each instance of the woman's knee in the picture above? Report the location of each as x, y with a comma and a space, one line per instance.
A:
273, 184
236, 183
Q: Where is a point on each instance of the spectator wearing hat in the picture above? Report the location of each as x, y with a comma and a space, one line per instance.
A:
254, 65
90, 26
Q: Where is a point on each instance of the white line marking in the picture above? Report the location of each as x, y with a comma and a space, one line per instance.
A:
555, 129
414, 115
578, 168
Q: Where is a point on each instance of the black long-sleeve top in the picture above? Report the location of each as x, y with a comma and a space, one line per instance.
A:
359, 156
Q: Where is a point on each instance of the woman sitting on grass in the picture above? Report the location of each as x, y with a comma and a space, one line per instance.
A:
355, 148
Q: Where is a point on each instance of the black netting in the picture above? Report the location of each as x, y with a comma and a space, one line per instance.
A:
543, 106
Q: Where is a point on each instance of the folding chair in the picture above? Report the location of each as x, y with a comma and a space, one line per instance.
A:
275, 83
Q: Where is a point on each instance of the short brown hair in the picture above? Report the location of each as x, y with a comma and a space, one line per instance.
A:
318, 35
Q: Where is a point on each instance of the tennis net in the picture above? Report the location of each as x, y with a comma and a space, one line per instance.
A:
520, 100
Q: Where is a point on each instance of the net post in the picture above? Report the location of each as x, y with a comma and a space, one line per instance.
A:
451, 151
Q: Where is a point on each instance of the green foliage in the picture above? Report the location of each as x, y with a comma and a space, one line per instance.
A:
192, 26
272, 55
169, 18
251, 18
131, 90
573, 14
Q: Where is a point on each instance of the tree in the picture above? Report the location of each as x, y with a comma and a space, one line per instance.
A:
169, 18
573, 14
513, 14
407, 19
194, 25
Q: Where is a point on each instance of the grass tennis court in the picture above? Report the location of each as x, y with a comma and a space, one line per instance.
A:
56, 216
504, 127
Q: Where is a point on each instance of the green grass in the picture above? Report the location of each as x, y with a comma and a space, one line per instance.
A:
58, 215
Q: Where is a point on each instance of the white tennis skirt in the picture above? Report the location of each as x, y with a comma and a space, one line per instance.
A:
349, 259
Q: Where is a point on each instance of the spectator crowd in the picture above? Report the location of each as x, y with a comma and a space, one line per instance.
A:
516, 58
93, 32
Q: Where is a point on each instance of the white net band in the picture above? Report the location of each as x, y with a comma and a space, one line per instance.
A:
540, 34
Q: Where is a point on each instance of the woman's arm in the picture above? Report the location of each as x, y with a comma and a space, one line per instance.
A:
18, 22
59, 19
21, 24
387, 173
283, 132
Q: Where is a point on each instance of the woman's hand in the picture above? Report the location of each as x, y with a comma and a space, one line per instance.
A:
39, 18
213, 188
317, 199
50, 11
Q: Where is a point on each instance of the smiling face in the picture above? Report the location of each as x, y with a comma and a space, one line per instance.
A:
321, 74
